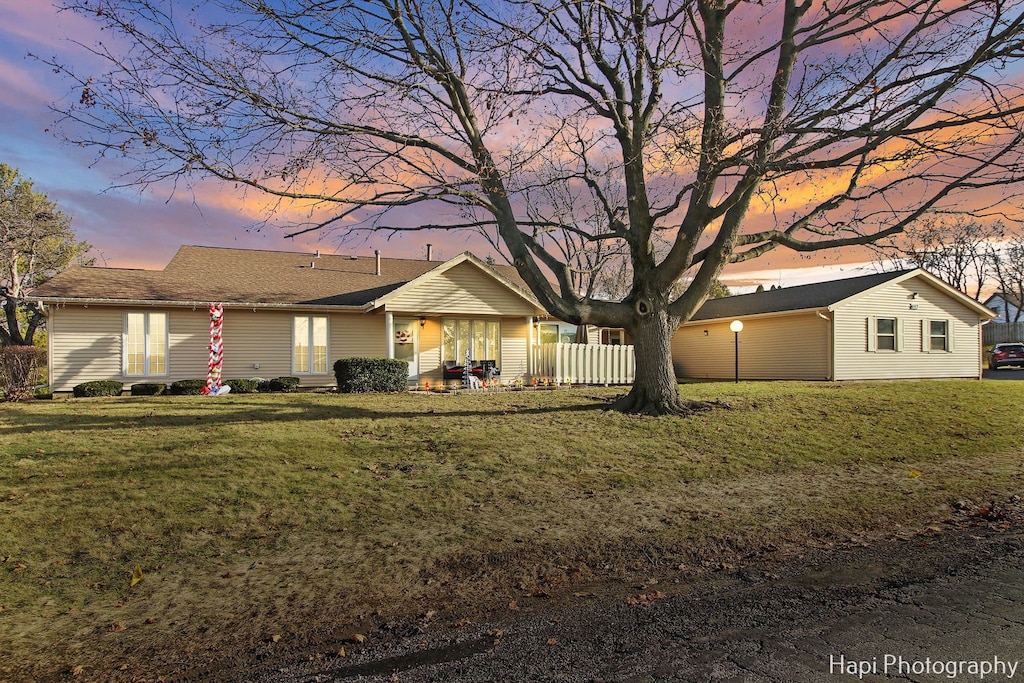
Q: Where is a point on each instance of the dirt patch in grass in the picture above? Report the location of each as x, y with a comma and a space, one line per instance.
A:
158, 536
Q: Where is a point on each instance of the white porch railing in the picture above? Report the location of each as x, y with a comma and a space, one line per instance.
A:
584, 363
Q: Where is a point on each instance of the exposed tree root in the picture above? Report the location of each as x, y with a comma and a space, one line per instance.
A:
639, 403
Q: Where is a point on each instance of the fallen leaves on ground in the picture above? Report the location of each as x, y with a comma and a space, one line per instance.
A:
646, 598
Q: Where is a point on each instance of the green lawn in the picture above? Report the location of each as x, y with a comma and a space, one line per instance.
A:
257, 516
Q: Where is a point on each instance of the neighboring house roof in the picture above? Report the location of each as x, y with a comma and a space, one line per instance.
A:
819, 295
1003, 296
258, 277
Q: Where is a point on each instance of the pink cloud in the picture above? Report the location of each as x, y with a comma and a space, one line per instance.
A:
20, 88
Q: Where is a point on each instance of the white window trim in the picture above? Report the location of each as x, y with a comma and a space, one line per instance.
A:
308, 370
146, 353
926, 335
461, 353
872, 334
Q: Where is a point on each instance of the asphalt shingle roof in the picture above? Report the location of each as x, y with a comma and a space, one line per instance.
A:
212, 274
800, 297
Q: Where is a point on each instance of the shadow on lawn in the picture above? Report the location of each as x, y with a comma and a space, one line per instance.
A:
156, 414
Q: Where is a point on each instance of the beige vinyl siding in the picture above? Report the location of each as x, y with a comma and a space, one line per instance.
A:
88, 344
85, 345
515, 349
855, 358
189, 353
265, 337
771, 347
256, 337
461, 290
430, 352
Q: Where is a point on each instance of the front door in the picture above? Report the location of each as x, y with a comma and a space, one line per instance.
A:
406, 345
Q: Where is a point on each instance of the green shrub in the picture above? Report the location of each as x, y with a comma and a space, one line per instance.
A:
187, 387
148, 389
371, 375
284, 384
101, 387
242, 386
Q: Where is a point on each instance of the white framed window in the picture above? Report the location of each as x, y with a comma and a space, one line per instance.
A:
548, 333
309, 345
936, 335
145, 343
482, 338
885, 334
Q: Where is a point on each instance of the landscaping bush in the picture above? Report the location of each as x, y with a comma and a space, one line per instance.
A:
262, 384
148, 388
371, 375
18, 365
187, 387
284, 384
242, 386
102, 387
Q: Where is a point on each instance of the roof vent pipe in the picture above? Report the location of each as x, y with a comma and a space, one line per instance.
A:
317, 253
430, 252
312, 264
376, 254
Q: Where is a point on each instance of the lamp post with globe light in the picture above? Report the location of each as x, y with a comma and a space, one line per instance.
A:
737, 326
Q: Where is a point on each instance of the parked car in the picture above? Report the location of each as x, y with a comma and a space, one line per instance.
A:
1006, 354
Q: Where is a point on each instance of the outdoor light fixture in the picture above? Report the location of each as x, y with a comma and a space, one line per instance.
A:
423, 321
705, 333
737, 326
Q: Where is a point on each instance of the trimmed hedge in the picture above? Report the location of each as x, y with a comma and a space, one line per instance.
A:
285, 384
187, 387
100, 387
148, 389
371, 375
242, 386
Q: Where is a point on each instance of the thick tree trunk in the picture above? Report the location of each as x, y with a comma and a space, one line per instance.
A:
655, 389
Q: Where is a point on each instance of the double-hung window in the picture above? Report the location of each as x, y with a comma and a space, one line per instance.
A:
938, 335
885, 334
145, 343
309, 344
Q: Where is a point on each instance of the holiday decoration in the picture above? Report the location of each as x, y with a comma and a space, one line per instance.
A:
214, 387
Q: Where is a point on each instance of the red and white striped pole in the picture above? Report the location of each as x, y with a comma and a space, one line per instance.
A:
213, 372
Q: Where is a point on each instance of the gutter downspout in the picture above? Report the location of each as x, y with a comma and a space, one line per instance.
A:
49, 347
831, 343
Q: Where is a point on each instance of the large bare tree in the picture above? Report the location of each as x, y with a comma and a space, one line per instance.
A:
1007, 264
959, 249
723, 129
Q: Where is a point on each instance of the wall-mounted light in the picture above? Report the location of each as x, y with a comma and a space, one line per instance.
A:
423, 321
913, 295
705, 333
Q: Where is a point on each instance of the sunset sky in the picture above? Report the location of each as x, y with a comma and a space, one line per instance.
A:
130, 227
